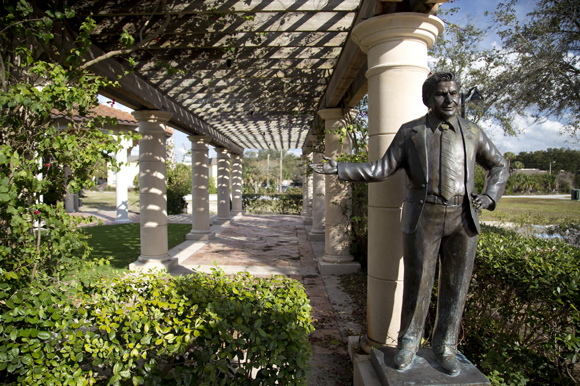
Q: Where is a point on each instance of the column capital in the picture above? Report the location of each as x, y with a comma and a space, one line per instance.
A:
410, 25
153, 116
199, 139
222, 152
334, 113
236, 155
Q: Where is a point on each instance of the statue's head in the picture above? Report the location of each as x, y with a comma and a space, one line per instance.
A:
441, 94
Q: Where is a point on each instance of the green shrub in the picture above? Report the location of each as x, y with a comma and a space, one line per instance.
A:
154, 329
178, 185
212, 186
521, 321
272, 203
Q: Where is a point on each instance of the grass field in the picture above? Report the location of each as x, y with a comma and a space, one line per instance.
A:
538, 211
122, 244
95, 201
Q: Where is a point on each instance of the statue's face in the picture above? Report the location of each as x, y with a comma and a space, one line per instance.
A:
444, 101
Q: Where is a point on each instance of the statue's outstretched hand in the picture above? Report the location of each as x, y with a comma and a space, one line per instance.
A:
330, 167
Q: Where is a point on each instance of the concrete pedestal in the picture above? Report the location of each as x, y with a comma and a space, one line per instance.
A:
397, 46
236, 185
200, 226
152, 190
223, 186
377, 369
317, 233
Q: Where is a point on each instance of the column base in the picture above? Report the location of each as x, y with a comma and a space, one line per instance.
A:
307, 220
337, 258
221, 221
144, 264
122, 221
316, 235
236, 213
209, 235
345, 268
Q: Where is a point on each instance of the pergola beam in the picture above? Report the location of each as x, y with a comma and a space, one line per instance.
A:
140, 94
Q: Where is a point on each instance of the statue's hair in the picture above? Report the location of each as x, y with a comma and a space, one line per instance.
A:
432, 81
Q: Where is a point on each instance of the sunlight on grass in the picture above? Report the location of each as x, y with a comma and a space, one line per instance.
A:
121, 244
539, 211
95, 201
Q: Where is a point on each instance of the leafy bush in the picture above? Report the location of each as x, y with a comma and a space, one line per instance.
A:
150, 329
521, 320
272, 203
178, 185
212, 186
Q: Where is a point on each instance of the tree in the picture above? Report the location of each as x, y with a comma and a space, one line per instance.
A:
542, 49
459, 50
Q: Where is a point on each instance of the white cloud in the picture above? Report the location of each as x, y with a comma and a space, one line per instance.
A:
537, 135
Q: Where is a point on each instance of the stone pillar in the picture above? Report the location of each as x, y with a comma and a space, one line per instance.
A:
122, 184
318, 202
307, 190
69, 198
305, 162
152, 190
397, 46
200, 229
337, 195
236, 185
223, 186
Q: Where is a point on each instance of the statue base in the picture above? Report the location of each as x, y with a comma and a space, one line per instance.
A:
424, 371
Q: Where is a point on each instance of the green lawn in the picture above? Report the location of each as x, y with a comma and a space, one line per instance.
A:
122, 244
538, 211
95, 201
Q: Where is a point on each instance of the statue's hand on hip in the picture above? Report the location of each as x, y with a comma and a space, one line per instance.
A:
480, 201
330, 167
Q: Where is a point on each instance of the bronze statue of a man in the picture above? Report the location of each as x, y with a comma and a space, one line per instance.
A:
438, 153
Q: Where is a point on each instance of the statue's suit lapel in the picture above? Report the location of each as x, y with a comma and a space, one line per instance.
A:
420, 141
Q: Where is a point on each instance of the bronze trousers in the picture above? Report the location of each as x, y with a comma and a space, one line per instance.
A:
445, 232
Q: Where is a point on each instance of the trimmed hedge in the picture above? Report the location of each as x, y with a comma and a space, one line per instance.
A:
272, 203
521, 321
153, 329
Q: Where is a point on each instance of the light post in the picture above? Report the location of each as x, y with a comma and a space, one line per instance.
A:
472, 95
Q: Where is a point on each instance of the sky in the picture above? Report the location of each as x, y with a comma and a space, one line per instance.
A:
537, 135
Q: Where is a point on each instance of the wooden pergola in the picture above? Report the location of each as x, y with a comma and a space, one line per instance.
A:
247, 73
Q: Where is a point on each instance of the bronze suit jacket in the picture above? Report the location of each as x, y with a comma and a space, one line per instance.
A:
408, 151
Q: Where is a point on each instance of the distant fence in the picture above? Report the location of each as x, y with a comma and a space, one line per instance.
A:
272, 203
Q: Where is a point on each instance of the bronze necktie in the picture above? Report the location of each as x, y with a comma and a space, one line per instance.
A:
448, 173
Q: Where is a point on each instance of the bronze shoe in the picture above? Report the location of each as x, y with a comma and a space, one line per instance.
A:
403, 359
449, 363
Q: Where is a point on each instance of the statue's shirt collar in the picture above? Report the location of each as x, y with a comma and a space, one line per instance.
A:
435, 122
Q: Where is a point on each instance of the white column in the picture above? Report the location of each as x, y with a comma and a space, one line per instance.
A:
200, 227
236, 185
397, 46
307, 190
152, 190
122, 184
69, 203
223, 186
318, 202
337, 195
305, 162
